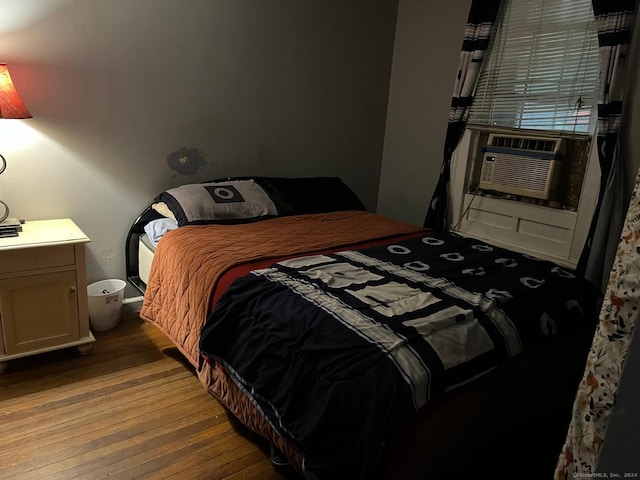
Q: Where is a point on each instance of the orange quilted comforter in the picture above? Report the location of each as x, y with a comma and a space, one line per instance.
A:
190, 261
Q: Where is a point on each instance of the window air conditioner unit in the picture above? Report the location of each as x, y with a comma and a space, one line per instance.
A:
521, 164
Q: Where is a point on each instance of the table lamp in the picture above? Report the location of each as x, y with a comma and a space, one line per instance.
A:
11, 106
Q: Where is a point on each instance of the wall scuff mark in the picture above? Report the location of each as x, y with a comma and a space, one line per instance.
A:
186, 160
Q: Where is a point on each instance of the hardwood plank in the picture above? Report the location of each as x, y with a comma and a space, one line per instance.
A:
82, 431
87, 394
122, 449
131, 409
197, 445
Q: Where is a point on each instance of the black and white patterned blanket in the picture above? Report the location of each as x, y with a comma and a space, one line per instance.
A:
338, 351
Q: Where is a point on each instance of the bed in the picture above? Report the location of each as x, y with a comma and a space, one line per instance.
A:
359, 346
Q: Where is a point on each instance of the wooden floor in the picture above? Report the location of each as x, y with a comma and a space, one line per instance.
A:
131, 409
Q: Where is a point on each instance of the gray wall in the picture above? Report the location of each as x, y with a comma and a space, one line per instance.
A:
425, 63
278, 87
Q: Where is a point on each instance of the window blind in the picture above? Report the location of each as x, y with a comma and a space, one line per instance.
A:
541, 70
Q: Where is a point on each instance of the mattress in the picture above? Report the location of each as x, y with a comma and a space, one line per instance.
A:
146, 251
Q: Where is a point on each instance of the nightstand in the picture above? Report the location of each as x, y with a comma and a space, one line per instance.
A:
43, 290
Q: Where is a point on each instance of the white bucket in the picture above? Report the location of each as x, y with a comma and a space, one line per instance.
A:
105, 303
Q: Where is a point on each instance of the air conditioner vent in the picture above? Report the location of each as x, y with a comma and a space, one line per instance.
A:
521, 164
524, 143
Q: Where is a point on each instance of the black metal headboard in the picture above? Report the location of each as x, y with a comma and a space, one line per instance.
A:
131, 247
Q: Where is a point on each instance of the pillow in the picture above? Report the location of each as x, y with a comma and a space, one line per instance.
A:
233, 201
155, 229
165, 211
304, 195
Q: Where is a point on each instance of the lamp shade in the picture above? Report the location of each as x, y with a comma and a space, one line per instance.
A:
11, 105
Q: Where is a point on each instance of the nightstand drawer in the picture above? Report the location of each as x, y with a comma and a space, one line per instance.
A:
36, 258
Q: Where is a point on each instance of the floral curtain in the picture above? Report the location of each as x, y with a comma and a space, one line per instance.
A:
606, 359
481, 17
614, 21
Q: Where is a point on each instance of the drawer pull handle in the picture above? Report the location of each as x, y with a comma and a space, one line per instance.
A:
72, 289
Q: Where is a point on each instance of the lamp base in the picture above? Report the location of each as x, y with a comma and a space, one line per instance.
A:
10, 227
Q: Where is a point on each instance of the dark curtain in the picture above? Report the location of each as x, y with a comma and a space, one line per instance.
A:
482, 16
614, 20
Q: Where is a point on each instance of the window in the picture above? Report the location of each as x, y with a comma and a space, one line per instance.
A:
541, 70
